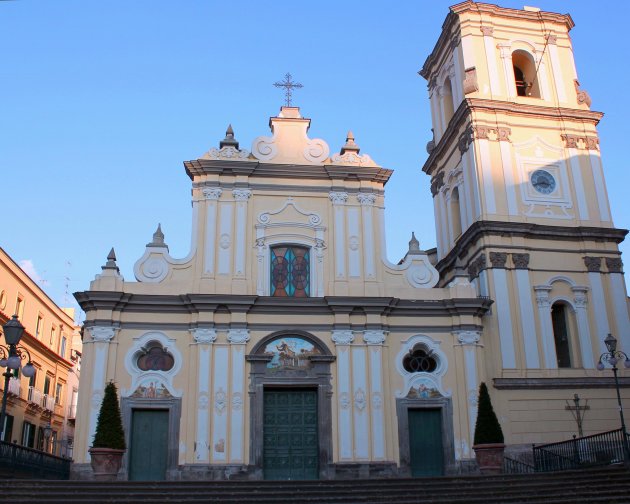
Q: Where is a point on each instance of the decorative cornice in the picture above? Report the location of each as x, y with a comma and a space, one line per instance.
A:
488, 31
551, 39
593, 264
580, 142
521, 261
614, 264
477, 266
498, 259
525, 230
342, 337
558, 383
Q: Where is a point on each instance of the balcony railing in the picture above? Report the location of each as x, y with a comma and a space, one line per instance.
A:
599, 449
14, 386
34, 396
20, 462
48, 402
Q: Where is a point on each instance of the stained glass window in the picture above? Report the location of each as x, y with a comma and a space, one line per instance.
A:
290, 271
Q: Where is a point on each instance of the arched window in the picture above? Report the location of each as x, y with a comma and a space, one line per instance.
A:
447, 101
290, 271
525, 76
561, 335
456, 215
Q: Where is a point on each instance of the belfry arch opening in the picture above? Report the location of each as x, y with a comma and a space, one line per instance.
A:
447, 101
525, 76
560, 321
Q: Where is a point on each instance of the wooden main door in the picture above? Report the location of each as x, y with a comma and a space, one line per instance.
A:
290, 442
149, 445
425, 442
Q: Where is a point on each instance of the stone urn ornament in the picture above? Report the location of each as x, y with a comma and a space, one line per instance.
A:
109, 446
488, 443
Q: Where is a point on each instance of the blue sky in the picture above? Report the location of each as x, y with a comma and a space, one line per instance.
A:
102, 101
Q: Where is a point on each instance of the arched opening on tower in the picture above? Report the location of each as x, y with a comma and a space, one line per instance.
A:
447, 101
525, 76
561, 334
456, 214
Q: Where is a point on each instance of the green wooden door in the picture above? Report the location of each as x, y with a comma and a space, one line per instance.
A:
425, 442
290, 445
149, 445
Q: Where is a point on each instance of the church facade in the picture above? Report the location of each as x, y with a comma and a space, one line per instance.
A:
286, 345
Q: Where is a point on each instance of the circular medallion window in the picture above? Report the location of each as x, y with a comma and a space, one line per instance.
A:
3, 300
543, 181
419, 360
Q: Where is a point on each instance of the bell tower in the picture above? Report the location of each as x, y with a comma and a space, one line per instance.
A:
518, 186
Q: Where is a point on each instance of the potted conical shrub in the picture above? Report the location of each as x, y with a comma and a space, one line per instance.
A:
109, 445
488, 443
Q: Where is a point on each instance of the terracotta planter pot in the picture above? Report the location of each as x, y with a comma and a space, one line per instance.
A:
105, 463
489, 457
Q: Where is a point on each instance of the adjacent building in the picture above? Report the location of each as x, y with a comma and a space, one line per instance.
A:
52, 340
286, 345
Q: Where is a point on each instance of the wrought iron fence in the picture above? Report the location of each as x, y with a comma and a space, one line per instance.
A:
599, 449
512, 466
20, 462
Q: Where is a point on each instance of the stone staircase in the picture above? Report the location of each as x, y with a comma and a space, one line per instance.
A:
609, 485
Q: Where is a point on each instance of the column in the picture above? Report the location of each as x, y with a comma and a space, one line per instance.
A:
584, 333
546, 329
212, 195
360, 403
226, 218
576, 171
528, 323
469, 340
339, 200
504, 309
593, 265
556, 67
600, 185
238, 338
367, 202
374, 341
101, 339
486, 169
343, 339
619, 296
219, 404
508, 170
240, 196
489, 44
354, 241
203, 337
505, 51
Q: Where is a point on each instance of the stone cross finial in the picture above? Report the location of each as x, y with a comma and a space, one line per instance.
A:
288, 85
229, 140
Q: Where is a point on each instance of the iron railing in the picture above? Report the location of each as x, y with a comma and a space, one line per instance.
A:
599, 449
14, 386
512, 466
34, 395
20, 462
48, 402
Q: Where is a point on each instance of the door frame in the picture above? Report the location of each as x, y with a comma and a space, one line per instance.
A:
445, 406
318, 377
173, 405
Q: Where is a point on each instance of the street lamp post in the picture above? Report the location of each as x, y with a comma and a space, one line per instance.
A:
612, 357
11, 358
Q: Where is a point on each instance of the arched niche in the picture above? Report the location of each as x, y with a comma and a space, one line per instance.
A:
291, 360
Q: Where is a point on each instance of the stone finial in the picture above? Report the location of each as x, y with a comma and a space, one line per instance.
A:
158, 238
111, 261
229, 140
431, 143
414, 245
350, 146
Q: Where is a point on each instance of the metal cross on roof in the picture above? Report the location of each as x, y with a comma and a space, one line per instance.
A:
289, 86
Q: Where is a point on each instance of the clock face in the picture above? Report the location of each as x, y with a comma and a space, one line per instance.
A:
543, 181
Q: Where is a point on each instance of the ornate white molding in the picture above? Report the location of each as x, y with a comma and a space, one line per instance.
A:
237, 401
422, 379
468, 338
352, 158
241, 194
228, 153
338, 198
238, 336
100, 333
360, 401
542, 295
366, 199
157, 378
314, 219
204, 335
580, 298
220, 401
374, 337
212, 193
344, 400
316, 150
342, 337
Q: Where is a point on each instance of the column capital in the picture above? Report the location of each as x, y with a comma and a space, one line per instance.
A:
338, 198
468, 338
204, 335
241, 194
374, 337
101, 333
212, 193
238, 336
342, 337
